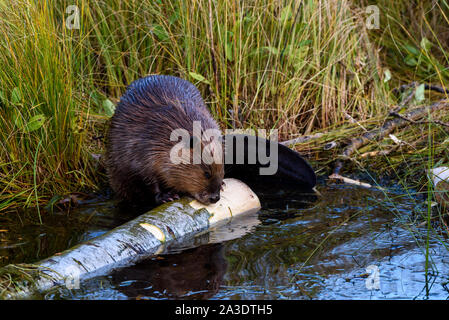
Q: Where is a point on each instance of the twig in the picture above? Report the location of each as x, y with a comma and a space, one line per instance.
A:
426, 87
441, 123
404, 87
388, 127
301, 139
337, 176
352, 120
436, 88
379, 152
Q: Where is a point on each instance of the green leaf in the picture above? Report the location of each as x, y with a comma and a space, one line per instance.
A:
272, 50
160, 33
412, 49
387, 75
410, 60
174, 17
108, 107
425, 44
264, 50
248, 19
286, 14
228, 51
304, 42
419, 93
16, 96
35, 123
18, 119
199, 77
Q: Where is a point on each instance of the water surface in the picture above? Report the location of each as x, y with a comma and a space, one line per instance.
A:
348, 243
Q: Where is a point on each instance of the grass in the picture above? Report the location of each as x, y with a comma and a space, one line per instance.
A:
298, 66
414, 39
40, 107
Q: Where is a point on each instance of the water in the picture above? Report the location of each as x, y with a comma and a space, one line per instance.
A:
350, 243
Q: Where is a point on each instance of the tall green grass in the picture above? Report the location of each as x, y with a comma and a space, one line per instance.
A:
294, 65
298, 66
40, 105
414, 37
413, 42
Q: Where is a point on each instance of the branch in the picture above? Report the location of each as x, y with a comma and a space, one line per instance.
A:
426, 87
388, 127
301, 139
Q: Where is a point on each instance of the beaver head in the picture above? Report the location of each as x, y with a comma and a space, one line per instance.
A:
198, 169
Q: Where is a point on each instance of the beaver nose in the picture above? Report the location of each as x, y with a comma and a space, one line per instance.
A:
214, 198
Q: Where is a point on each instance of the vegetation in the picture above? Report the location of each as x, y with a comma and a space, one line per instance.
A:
298, 66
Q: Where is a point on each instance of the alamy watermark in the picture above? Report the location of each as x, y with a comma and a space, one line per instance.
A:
372, 20
72, 281
373, 280
206, 146
73, 20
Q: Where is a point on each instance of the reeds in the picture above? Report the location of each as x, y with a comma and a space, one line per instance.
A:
298, 66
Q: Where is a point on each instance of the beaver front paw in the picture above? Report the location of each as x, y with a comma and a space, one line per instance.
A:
164, 197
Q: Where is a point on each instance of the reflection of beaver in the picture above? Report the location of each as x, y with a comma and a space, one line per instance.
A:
139, 145
192, 274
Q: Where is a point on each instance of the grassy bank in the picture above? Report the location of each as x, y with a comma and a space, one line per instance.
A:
298, 66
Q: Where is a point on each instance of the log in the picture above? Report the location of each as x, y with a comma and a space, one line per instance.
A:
440, 179
145, 236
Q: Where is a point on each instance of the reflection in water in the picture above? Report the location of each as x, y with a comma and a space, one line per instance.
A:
195, 274
298, 247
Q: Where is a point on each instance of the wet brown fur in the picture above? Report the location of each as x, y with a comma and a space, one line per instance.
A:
138, 142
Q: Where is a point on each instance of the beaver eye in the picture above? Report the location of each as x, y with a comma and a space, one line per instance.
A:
207, 174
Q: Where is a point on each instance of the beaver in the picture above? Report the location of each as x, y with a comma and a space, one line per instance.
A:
140, 144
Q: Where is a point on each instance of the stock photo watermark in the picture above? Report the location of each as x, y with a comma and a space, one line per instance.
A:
72, 282
206, 146
373, 280
373, 17
73, 19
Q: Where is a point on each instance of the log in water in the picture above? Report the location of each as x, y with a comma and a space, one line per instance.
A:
440, 179
137, 239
